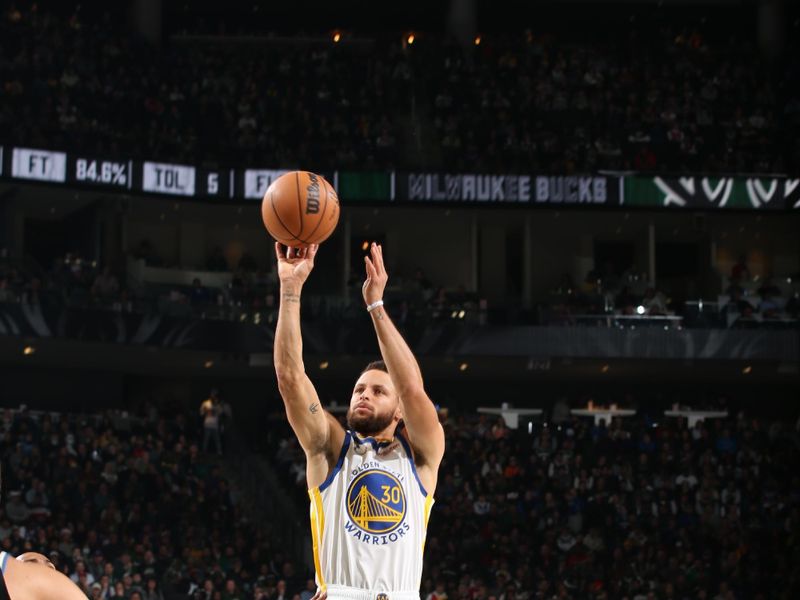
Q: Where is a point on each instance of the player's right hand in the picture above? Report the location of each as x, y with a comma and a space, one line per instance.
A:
295, 264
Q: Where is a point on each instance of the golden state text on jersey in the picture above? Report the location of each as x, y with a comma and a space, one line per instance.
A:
376, 505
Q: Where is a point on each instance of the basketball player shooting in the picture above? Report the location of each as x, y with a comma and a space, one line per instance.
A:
371, 487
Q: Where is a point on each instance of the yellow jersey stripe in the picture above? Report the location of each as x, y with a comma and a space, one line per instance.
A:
428, 505
426, 516
317, 528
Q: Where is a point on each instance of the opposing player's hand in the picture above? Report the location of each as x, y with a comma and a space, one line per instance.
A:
376, 275
295, 264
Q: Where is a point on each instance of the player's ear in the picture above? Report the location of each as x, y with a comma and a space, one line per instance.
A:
398, 414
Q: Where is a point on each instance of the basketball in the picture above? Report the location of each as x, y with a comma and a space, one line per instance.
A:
300, 208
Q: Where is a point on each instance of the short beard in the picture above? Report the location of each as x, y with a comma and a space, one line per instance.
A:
369, 425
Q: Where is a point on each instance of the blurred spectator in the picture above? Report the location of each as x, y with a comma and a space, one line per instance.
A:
16, 509
105, 285
199, 295
654, 302
211, 410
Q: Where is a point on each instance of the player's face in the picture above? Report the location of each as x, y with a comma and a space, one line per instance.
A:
374, 404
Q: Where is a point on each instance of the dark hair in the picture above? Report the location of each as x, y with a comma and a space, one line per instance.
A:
375, 365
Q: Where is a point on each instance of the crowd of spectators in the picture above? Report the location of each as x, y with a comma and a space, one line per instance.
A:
638, 510
76, 281
649, 97
72, 280
132, 509
250, 295
84, 83
748, 301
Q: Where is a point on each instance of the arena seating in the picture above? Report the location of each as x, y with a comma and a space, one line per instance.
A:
131, 505
649, 98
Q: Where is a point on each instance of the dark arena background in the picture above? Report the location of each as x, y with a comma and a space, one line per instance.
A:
590, 213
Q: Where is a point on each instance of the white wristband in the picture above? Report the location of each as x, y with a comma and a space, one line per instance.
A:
374, 305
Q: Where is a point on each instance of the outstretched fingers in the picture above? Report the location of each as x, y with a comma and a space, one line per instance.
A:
377, 257
372, 272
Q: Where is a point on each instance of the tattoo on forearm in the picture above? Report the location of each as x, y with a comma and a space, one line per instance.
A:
313, 408
291, 297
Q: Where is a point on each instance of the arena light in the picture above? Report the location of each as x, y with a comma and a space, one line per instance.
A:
477, 40
463, 367
28, 350
324, 365
640, 310
410, 39
364, 246
208, 364
604, 369
337, 37
747, 370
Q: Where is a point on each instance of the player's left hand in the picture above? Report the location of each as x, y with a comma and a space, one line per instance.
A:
377, 277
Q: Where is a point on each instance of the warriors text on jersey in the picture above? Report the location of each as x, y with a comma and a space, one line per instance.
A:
368, 522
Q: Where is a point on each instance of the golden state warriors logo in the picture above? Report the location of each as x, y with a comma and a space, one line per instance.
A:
376, 502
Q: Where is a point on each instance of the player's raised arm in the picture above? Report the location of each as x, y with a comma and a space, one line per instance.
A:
419, 414
310, 422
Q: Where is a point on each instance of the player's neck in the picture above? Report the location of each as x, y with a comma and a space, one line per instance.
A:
387, 435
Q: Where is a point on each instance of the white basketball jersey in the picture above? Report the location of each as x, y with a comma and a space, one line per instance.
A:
368, 522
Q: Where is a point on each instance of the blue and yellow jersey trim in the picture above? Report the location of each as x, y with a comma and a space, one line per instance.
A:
410, 455
335, 471
318, 511
426, 517
317, 531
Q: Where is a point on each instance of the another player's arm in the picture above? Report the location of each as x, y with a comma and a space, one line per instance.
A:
317, 431
419, 414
